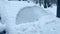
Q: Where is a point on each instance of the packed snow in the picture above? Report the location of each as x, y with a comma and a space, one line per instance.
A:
44, 21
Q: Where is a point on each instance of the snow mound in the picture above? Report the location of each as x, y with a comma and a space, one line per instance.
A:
45, 25
30, 14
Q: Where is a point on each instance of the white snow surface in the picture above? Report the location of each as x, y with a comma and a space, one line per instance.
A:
52, 10
46, 23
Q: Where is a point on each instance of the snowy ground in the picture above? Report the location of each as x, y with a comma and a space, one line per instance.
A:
47, 23
52, 9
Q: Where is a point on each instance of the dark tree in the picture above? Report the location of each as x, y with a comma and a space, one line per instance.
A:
0, 18
3, 32
58, 9
49, 3
40, 2
24, 0
45, 3
19, 0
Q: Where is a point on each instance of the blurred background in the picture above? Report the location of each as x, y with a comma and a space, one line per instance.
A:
45, 3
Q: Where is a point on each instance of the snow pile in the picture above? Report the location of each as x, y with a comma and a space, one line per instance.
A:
9, 11
30, 20
45, 25
30, 14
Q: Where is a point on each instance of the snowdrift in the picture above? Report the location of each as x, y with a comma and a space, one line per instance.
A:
26, 18
30, 14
